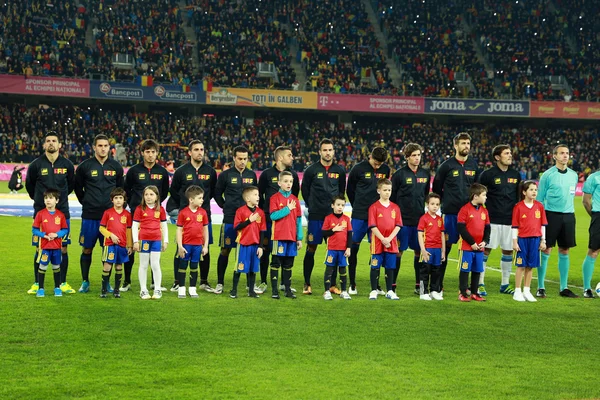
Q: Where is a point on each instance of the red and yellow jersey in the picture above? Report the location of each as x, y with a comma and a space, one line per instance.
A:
386, 219
250, 234
432, 228
117, 224
150, 220
475, 219
529, 221
339, 240
50, 223
192, 223
285, 228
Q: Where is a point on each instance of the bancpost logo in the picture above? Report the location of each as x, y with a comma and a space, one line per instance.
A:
222, 97
174, 95
481, 107
594, 111
123, 93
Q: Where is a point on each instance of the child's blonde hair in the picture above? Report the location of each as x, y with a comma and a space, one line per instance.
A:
155, 190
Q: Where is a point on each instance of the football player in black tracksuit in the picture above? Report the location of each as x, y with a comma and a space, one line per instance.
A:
362, 193
502, 182
51, 171
228, 195
95, 178
267, 187
198, 173
321, 182
141, 175
410, 186
452, 181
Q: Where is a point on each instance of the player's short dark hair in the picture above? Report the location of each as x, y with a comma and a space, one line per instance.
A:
558, 146
383, 181
149, 144
338, 197
193, 191
379, 154
476, 189
432, 195
411, 148
100, 137
240, 149
283, 174
524, 186
325, 141
51, 192
497, 151
461, 136
118, 192
51, 133
280, 150
193, 143
247, 191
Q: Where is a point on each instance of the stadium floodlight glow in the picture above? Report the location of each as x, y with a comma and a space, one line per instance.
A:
543, 19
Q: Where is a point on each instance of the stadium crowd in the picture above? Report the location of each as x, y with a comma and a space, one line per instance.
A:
22, 129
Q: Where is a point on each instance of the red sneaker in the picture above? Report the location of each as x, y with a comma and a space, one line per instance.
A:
464, 298
477, 297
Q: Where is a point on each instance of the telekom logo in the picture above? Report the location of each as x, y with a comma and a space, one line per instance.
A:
324, 100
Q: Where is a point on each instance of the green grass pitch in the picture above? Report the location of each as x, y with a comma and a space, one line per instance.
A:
216, 347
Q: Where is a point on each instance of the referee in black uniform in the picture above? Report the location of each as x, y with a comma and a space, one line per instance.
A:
410, 187
196, 172
267, 187
502, 182
362, 193
141, 175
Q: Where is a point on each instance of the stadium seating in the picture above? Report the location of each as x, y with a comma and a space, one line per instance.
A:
22, 129
38, 37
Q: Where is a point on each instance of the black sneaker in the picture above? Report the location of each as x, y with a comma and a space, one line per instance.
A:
233, 294
175, 287
541, 293
290, 294
253, 295
117, 294
568, 293
275, 296
103, 294
588, 294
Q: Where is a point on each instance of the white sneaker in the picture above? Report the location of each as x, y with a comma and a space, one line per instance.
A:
391, 295
181, 292
282, 288
145, 295
192, 292
262, 288
157, 294
529, 297
327, 295
381, 292
345, 296
353, 291
436, 296
125, 288
425, 297
373, 295
207, 288
175, 287
258, 290
518, 296
218, 289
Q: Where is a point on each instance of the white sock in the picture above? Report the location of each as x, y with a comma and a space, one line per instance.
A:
518, 290
526, 289
155, 265
482, 276
506, 270
143, 271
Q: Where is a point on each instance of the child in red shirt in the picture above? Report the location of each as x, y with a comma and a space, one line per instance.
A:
115, 226
433, 249
50, 225
529, 238
338, 231
473, 223
149, 224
